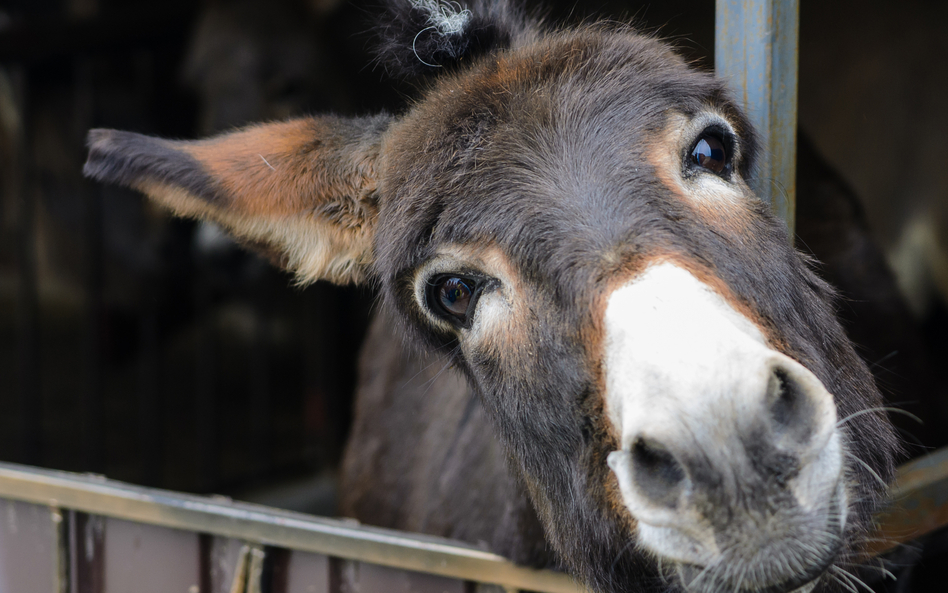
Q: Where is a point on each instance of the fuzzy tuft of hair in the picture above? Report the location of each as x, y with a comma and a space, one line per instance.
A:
427, 37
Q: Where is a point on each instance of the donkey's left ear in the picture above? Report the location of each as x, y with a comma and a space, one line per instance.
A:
305, 189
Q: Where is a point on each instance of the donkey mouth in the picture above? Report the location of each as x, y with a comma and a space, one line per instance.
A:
702, 579
767, 572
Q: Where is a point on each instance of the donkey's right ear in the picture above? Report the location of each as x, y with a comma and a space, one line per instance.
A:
304, 188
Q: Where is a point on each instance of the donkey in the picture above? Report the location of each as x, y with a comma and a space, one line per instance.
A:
596, 349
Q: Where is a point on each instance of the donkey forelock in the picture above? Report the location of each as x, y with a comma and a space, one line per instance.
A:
430, 37
566, 217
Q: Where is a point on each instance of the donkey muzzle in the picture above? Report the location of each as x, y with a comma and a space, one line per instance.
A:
730, 460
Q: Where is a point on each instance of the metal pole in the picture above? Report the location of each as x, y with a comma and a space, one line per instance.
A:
756, 51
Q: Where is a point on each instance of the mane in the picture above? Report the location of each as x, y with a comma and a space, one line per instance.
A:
418, 38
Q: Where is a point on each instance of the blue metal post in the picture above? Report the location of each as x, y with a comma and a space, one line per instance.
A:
756, 51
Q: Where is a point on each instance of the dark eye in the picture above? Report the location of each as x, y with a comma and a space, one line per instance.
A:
452, 297
709, 153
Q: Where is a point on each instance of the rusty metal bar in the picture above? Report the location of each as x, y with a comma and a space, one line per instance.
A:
919, 503
272, 527
756, 52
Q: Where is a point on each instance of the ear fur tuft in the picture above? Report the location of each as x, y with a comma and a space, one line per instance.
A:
427, 37
118, 157
303, 190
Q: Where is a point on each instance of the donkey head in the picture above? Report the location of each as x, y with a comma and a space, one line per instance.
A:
566, 215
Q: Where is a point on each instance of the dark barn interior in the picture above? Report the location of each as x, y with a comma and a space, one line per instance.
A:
155, 351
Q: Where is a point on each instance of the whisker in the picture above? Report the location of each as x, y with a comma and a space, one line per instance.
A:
851, 577
879, 362
447, 365
886, 572
431, 364
879, 409
845, 584
913, 440
874, 540
625, 549
707, 569
740, 581
661, 569
871, 471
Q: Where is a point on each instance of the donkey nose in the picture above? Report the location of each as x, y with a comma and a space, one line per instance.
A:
656, 472
770, 434
729, 452
800, 412
797, 410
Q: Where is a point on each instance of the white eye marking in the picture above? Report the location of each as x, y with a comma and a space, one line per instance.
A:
493, 273
704, 187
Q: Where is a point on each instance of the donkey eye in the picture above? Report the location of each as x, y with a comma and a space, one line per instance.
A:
453, 298
709, 153
454, 295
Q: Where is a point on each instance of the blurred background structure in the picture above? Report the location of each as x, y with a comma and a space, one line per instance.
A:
154, 351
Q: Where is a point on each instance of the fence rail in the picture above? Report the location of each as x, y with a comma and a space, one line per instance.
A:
72, 533
79, 522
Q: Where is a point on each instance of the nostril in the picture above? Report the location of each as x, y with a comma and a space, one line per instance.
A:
656, 472
791, 409
784, 398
